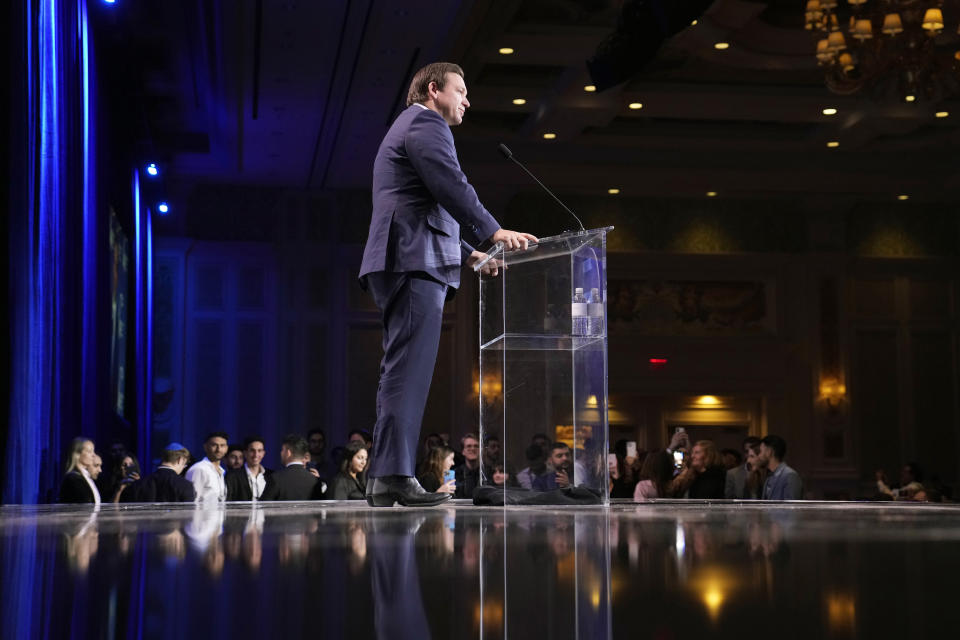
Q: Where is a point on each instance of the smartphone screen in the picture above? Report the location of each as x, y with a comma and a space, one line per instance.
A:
678, 459
631, 449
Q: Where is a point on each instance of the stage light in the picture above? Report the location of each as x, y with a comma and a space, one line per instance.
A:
636, 105
833, 144
910, 98
903, 196
720, 46
152, 170
614, 191
519, 101
163, 208
109, 1
942, 114
505, 51
829, 111
549, 136
711, 194
590, 88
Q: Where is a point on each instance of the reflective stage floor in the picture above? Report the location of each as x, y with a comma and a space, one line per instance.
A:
341, 570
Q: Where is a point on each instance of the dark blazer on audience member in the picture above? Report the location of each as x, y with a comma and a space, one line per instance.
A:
238, 487
75, 490
292, 483
709, 485
346, 488
163, 485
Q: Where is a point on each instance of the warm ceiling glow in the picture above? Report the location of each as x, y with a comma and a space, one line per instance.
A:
708, 400
590, 88
505, 51
711, 194
614, 191
910, 98
903, 196
549, 136
519, 101
942, 114
721, 45
636, 105
829, 111
833, 144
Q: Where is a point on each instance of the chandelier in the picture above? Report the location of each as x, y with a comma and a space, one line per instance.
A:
894, 49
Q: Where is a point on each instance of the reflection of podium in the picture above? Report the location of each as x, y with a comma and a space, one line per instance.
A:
543, 357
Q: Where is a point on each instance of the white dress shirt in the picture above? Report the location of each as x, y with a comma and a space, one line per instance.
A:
86, 476
208, 482
256, 482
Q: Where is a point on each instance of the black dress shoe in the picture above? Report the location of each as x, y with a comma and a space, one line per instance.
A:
385, 491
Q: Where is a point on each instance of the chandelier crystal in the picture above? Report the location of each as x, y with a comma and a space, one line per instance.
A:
890, 48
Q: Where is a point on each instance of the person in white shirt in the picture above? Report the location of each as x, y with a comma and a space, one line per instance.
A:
207, 475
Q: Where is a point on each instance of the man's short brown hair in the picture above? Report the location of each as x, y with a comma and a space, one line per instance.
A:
173, 456
433, 72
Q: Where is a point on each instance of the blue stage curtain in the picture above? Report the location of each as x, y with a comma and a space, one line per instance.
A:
52, 251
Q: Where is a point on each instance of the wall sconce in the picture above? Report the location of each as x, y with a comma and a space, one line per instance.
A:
833, 392
490, 388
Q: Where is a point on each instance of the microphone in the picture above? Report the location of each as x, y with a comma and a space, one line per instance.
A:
505, 150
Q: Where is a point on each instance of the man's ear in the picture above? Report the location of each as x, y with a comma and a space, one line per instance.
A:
432, 89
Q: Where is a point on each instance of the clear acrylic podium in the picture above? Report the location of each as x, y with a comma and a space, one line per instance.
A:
543, 362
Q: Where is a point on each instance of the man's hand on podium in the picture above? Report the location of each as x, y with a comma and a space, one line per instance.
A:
492, 268
512, 239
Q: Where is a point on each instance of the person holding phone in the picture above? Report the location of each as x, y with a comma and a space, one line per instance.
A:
437, 474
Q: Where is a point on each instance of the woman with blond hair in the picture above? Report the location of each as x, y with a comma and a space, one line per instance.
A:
77, 486
704, 477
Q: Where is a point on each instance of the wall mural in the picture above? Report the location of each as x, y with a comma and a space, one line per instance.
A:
691, 307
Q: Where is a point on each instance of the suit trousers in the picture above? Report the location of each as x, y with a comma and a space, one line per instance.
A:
411, 307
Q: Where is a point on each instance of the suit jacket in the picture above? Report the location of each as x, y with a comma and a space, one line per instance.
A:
163, 485
421, 201
75, 490
238, 487
292, 483
736, 486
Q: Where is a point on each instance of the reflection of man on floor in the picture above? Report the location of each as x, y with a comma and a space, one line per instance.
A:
411, 265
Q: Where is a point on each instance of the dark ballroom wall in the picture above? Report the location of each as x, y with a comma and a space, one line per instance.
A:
866, 295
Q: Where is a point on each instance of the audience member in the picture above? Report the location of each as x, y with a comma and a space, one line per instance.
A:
704, 476
495, 471
128, 472
736, 484
249, 481
165, 484
468, 474
536, 456
361, 435
97, 467
77, 486
911, 481
434, 469
655, 476
319, 460
753, 488
783, 483
207, 475
429, 443
623, 475
559, 469
294, 481
351, 482
234, 458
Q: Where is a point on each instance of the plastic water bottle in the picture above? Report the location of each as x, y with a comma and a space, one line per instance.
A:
595, 310
578, 312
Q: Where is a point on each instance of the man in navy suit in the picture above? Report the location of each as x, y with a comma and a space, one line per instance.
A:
411, 265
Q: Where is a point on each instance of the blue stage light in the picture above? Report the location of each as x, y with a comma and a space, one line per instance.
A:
109, 1
163, 208
152, 170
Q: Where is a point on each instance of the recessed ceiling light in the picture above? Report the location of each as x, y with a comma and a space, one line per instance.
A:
590, 88
721, 45
833, 144
519, 101
942, 114
693, 24
711, 194
910, 98
505, 51
614, 191
829, 111
636, 105
903, 196
549, 136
